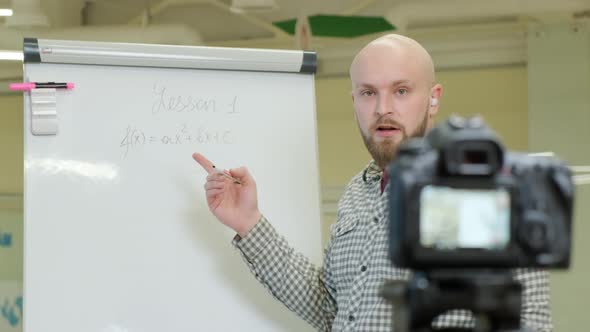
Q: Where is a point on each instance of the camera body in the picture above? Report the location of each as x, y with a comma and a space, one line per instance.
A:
458, 200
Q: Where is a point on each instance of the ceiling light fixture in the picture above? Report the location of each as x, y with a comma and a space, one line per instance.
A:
253, 6
11, 55
5, 12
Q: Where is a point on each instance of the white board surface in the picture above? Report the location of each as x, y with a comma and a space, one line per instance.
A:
118, 236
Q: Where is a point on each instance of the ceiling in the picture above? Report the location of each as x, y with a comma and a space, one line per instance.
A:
486, 32
206, 15
213, 21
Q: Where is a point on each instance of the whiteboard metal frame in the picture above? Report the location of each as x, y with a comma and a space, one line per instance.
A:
168, 56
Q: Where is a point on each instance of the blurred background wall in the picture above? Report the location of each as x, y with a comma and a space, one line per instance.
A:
524, 65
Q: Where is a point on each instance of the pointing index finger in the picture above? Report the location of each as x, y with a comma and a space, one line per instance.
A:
204, 162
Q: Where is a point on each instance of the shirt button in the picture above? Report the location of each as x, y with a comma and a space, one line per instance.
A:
375, 219
351, 318
363, 268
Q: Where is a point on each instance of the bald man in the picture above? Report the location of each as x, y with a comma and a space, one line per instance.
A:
395, 97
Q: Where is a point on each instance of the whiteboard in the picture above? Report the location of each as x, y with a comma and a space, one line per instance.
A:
118, 236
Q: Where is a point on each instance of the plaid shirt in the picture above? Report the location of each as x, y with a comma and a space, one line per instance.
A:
343, 295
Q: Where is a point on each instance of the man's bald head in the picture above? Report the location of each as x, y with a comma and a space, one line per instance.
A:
399, 46
393, 94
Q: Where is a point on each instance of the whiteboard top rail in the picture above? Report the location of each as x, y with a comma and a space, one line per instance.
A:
169, 56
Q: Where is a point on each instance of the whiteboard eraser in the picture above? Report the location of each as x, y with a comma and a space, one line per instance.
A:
44, 111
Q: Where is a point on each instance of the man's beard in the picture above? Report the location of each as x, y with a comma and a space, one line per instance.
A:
384, 152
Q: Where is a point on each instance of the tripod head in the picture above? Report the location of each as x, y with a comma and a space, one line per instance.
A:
493, 297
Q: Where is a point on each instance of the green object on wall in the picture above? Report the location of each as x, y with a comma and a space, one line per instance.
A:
340, 26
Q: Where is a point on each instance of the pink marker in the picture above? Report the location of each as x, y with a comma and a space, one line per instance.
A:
28, 86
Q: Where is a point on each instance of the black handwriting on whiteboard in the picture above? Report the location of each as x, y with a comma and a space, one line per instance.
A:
167, 102
134, 137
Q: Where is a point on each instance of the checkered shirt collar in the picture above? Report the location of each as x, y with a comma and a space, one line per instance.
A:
372, 173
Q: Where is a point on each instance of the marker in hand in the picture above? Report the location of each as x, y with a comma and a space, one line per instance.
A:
210, 168
220, 171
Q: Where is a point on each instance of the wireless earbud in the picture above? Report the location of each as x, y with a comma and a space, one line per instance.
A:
433, 101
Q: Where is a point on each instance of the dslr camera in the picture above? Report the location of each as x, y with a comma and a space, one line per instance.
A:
463, 212
458, 200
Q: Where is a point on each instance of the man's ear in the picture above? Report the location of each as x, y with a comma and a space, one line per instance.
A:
435, 95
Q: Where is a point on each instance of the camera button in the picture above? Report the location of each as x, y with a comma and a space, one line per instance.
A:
363, 268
